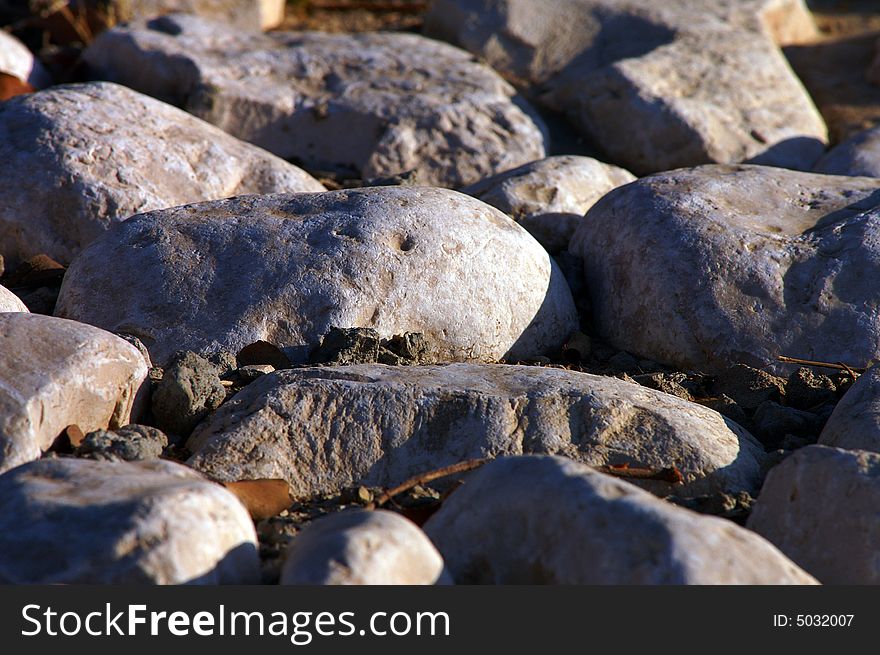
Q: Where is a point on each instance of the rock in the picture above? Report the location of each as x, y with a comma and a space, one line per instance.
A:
773, 423
730, 97
855, 422
74, 521
128, 443
347, 346
243, 14
857, 156
549, 520
18, 61
806, 390
326, 428
119, 153
286, 268
550, 197
749, 387
713, 266
359, 547
190, 388
726, 406
873, 73
819, 507
9, 302
362, 105
262, 353
247, 374
55, 373
666, 382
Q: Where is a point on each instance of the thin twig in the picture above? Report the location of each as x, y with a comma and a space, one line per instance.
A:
852, 370
424, 478
670, 474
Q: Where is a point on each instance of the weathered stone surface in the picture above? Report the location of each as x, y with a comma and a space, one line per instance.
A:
719, 265
128, 443
118, 153
74, 521
366, 105
857, 156
9, 302
819, 507
190, 388
805, 389
549, 520
243, 14
285, 268
855, 422
549, 197
358, 547
659, 85
17, 60
326, 428
773, 423
55, 373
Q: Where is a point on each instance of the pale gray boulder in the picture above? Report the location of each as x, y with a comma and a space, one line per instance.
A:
855, 422
79, 158
659, 85
286, 268
326, 428
18, 61
719, 265
819, 507
549, 520
363, 105
77, 521
55, 373
549, 197
9, 302
359, 547
857, 156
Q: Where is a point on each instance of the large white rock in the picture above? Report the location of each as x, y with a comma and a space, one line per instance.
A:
549, 197
76, 521
857, 156
855, 422
17, 60
658, 84
367, 105
720, 265
9, 302
76, 159
243, 14
549, 520
285, 268
326, 428
819, 507
55, 373
359, 547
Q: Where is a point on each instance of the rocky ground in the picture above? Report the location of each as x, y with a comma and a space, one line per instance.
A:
370, 292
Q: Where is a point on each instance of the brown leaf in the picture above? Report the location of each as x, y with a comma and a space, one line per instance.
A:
262, 352
262, 498
11, 86
69, 439
37, 271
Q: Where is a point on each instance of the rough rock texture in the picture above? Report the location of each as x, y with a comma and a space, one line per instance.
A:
819, 507
9, 302
658, 85
17, 60
243, 14
129, 443
76, 159
73, 521
720, 265
285, 268
359, 547
549, 520
55, 373
366, 105
549, 197
857, 156
855, 422
190, 388
326, 428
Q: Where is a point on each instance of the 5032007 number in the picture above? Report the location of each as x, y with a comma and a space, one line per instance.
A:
813, 620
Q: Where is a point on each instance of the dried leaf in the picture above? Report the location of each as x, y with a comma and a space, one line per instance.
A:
262, 352
263, 498
11, 86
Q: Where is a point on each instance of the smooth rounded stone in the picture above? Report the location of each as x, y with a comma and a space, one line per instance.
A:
359, 547
857, 156
17, 60
243, 14
658, 85
128, 443
286, 268
9, 302
819, 507
855, 422
55, 373
190, 388
549, 197
720, 265
549, 520
78, 521
118, 153
326, 428
361, 105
